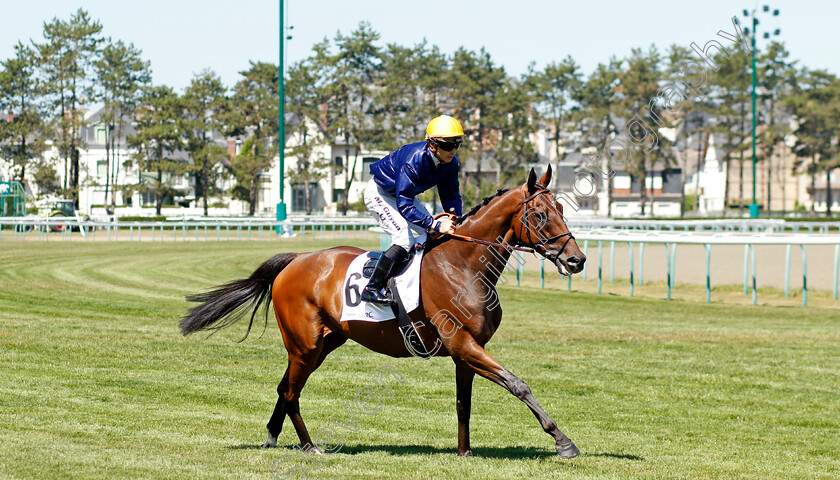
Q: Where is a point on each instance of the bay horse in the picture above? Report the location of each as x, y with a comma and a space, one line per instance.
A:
306, 290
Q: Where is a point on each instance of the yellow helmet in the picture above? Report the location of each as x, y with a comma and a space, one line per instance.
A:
444, 126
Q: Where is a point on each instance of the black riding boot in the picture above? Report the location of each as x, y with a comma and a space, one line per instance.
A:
375, 290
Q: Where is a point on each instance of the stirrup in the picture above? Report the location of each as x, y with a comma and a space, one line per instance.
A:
375, 295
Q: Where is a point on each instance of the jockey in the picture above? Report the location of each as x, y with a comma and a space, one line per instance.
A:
391, 196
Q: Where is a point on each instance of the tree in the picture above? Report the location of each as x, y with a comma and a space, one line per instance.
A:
121, 75
815, 101
777, 75
253, 114
684, 104
598, 100
432, 77
556, 89
513, 149
354, 70
639, 86
206, 106
476, 82
399, 99
21, 138
66, 59
304, 98
731, 108
157, 140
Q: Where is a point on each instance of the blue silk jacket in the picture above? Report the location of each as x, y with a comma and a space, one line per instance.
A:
411, 170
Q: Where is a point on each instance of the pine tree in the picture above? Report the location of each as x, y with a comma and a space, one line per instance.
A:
205, 105
255, 106
776, 73
557, 88
475, 84
303, 103
815, 102
66, 59
348, 79
157, 140
121, 74
21, 137
638, 89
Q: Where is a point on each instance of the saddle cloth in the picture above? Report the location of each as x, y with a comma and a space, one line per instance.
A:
408, 286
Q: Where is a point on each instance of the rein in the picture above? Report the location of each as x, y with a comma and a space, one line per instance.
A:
491, 244
541, 243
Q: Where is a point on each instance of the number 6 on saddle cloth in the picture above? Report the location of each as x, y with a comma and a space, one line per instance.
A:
405, 286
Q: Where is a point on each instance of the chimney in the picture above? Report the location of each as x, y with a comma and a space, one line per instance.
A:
11, 117
231, 148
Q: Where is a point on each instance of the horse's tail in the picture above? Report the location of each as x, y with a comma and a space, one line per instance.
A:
226, 304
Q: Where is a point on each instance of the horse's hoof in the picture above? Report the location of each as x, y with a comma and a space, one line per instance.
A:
270, 442
568, 451
467, 453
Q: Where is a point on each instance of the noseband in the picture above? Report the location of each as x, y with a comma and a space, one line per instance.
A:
547, 241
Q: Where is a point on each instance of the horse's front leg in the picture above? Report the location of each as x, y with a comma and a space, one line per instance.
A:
463, 382
482, 363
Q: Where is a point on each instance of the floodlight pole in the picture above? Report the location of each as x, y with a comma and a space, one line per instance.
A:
754, 206
754, 209
281, 122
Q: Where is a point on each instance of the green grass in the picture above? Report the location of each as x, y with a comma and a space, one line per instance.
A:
96, 381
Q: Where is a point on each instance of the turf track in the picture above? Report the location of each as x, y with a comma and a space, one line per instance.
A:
96, 382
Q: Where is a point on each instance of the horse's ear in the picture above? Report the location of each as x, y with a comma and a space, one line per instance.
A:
532, 180
546, 178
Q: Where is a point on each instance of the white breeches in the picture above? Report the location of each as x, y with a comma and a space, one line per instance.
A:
385, 211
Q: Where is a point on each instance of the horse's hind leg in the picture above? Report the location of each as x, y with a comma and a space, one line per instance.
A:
275, 423
288, 391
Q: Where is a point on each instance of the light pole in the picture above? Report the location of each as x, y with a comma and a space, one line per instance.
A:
281, 122
754, 206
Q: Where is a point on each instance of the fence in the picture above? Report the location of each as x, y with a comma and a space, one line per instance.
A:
636, 241
62, 228
722, 225
595, 233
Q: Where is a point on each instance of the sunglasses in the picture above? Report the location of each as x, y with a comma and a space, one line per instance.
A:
447, 146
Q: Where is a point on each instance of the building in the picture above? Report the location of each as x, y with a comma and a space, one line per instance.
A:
333, 171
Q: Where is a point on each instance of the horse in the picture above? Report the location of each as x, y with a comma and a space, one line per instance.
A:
306, 291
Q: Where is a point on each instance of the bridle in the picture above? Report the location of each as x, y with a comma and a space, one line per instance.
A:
541, 244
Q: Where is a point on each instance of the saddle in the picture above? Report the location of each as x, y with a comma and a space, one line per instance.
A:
411, 336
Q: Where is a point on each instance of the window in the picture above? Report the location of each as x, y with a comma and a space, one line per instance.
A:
339, 162
299, 196
264, 192
100, 135
366, 163
148, 198
101, 168
338, 195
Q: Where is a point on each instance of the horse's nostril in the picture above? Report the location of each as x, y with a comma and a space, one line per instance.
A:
573, 260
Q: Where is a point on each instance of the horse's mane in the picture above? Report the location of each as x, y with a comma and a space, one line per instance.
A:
476, 208
433, 242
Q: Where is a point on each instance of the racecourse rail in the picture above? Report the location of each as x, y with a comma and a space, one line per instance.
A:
595, 233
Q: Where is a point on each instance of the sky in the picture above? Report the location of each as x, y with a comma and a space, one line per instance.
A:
183, 37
